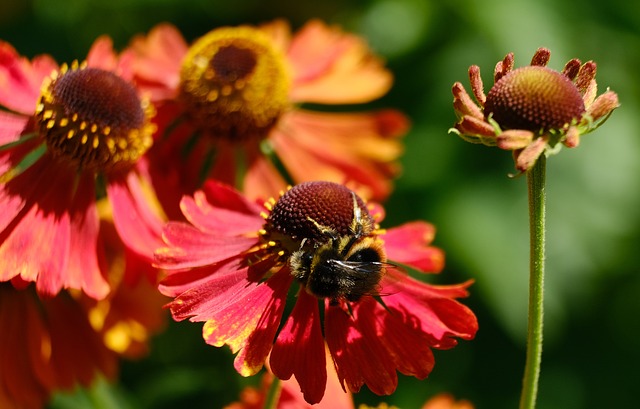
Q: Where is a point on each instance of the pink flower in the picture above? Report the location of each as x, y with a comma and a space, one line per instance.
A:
317, 253
69, 135
532, 110
229, 104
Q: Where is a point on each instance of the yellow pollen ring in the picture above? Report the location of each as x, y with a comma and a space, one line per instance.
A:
83, 139
235, 83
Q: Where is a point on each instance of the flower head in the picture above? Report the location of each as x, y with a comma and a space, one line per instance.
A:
237, 264
230, 104
68, 135
65, 341
532, 109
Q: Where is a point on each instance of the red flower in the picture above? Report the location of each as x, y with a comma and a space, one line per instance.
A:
68, 135
229, 106
57, 343
234, 264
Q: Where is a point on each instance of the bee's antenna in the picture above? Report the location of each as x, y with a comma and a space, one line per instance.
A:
356, 224
324, 230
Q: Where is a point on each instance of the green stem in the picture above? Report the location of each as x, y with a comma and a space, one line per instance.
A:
273, 394
536, 187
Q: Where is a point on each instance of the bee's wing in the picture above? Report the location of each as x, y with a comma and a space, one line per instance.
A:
360, 267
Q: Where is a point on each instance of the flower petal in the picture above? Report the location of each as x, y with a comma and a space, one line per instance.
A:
220, 209
84, 269
353, 343
190, 247
299, 349
11, 127
439, 316
20, 80
409, 244
158, 59
139, 226
35, 239
333, 67
360, 148
101, 55
262, 179
248, 321
213, 288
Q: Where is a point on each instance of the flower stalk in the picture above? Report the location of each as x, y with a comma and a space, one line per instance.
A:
273, 394
537, 196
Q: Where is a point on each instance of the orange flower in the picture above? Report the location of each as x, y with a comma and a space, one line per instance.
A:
230, 105
531, 110
68, 135
57, 343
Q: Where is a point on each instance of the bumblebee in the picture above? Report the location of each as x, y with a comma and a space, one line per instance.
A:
343, 266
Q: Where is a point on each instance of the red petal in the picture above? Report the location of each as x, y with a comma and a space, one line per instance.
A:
138, 225
245, 317
157, 60
299, 349
190, 247
11, 127
84, 270
19, 382
21, 80
334, 397
440, 317
353, 343
220, 209
213, 288
101, 55
409, 244
35, 243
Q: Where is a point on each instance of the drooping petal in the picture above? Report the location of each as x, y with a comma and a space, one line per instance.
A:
248, 321
333, 67
51, 347
409, 244
85, 350
440, 318
527, 157
299, 349
84, 269
213, 289
19, 383
335, 396
353, 342
139, 225
36, 241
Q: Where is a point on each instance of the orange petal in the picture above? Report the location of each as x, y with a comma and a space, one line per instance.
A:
333, 67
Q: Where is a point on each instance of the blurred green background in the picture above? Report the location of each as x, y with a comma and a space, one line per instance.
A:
592, 333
